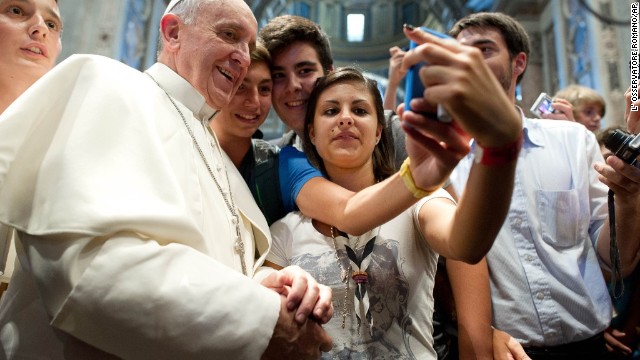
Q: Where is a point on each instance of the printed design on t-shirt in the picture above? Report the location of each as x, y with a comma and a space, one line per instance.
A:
359, 267
382, 301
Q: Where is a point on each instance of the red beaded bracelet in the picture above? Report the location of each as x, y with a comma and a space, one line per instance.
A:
496, 156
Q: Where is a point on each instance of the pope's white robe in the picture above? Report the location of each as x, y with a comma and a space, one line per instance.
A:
126, 244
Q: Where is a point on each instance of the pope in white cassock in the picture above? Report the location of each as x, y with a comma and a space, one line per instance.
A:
134, 228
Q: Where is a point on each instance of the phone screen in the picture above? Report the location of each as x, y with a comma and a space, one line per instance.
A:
542, 105
545, 106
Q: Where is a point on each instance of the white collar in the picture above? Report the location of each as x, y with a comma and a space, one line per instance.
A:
181, 90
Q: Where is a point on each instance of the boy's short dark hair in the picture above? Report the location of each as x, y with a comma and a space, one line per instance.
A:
284, 30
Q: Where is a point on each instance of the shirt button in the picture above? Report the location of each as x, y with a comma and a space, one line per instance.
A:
540, 295
529, 258
517, 221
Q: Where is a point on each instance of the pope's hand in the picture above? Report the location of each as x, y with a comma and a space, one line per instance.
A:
303, 293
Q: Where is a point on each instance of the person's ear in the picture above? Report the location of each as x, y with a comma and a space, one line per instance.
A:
378, 133
170, 26
519, 64
312, 134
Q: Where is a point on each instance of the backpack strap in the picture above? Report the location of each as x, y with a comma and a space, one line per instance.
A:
266, 191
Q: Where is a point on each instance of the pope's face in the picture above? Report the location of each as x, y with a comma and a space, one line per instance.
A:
214, 52
30, 37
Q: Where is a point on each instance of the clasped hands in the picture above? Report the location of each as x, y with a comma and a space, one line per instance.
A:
305, 306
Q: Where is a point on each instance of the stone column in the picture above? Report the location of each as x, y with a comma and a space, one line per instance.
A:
126, 30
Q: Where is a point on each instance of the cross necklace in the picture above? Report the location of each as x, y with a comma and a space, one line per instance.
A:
238, 244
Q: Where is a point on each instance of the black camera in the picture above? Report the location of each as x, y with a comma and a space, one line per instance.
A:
624, 145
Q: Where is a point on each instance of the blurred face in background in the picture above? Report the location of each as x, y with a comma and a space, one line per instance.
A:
589, 115
30, 38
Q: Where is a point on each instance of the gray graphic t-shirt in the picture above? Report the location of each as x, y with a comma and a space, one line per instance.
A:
388, 316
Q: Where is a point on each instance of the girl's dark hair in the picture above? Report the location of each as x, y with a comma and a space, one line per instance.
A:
384, 153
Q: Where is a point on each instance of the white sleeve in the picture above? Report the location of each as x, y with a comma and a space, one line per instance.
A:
135, 298
106, 224
282, 238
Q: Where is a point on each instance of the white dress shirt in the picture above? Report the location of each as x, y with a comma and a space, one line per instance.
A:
546, 284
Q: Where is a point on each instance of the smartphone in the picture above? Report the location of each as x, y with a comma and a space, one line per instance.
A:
543, 105
414, 87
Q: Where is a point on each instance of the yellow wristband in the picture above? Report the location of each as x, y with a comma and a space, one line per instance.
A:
407, 178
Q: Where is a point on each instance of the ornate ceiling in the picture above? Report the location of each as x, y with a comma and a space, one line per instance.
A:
383, 21
382, 25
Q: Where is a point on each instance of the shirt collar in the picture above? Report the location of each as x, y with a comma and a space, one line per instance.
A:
531, 133
181, 90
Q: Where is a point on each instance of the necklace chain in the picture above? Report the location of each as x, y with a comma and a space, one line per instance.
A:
238, 244
344, 276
